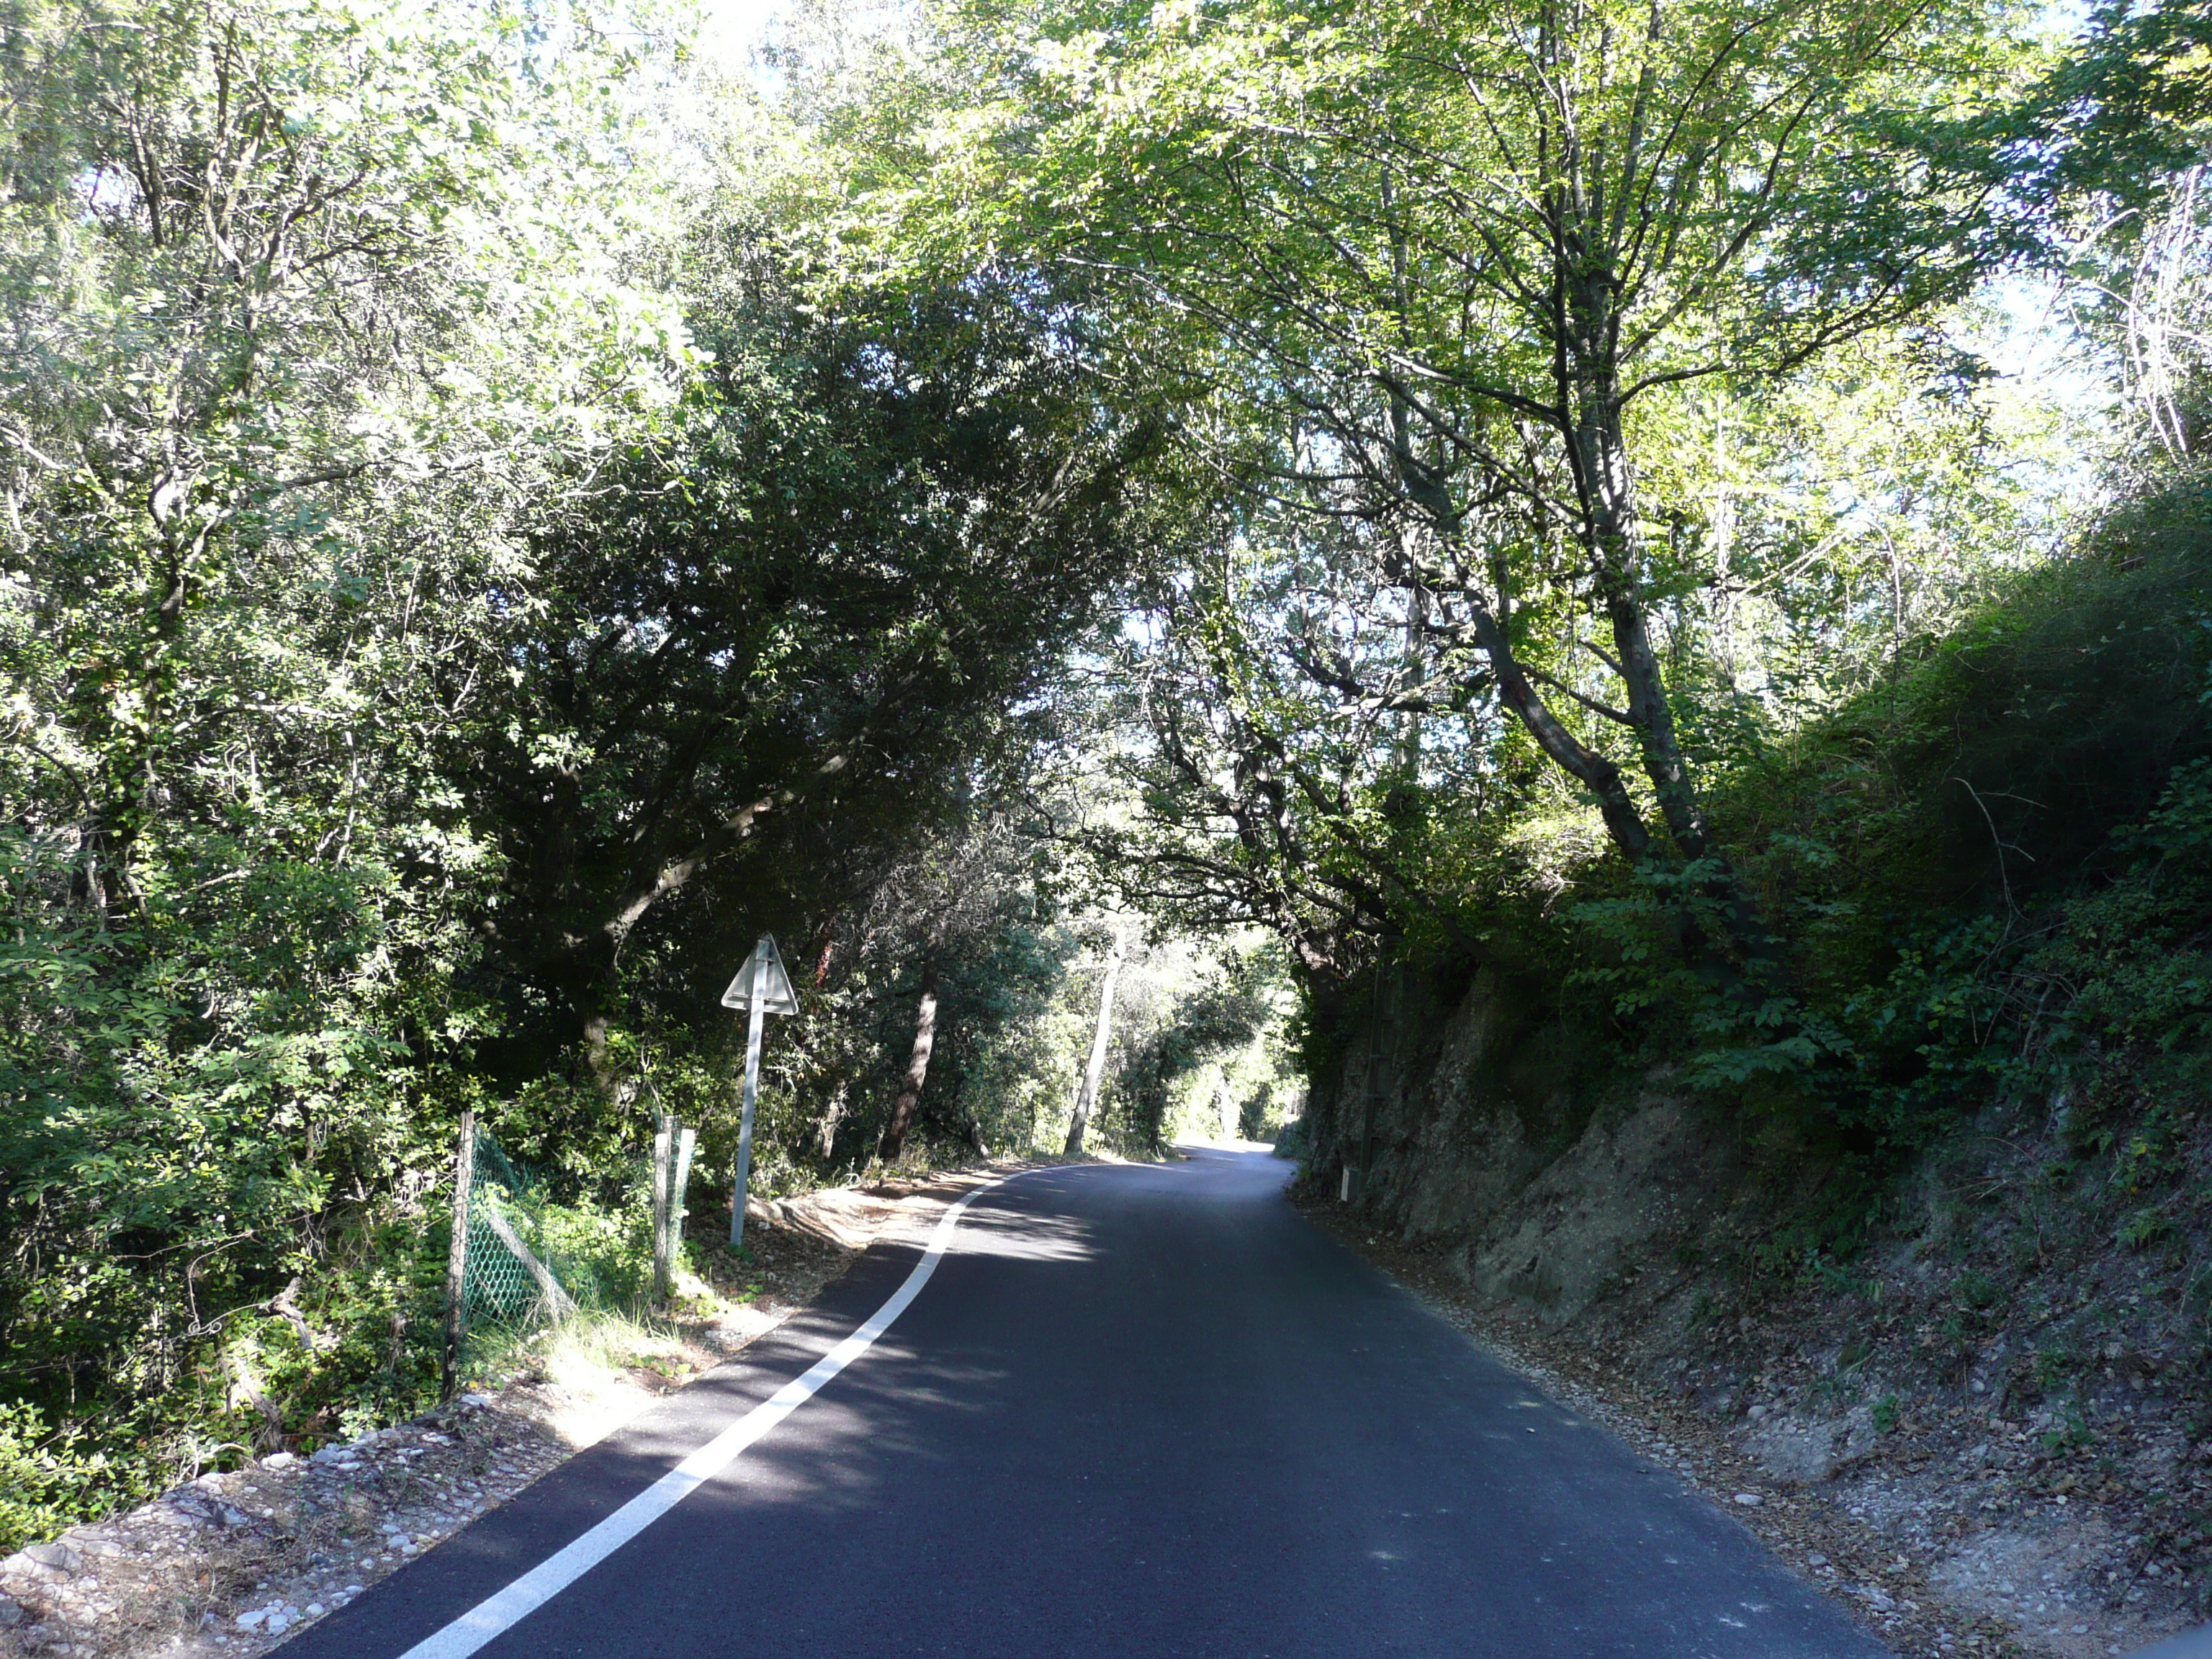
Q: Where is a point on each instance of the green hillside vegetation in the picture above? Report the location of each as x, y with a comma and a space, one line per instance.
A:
1992, 867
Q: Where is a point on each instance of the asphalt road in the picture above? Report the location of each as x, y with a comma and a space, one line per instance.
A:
1138, 1411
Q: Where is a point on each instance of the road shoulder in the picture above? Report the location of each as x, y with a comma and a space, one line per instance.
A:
235, 1563
1864, 1574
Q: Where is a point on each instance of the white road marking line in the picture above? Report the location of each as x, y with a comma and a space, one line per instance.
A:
497, 1613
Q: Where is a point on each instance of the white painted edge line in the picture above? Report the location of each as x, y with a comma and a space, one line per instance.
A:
501, 1612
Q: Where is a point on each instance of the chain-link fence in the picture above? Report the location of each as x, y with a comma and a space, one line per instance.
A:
523, 1257
501, 1267
500, 1282
519, 1265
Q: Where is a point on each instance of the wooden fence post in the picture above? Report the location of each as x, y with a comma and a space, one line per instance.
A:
661, 1138
457, 1256
680, 1179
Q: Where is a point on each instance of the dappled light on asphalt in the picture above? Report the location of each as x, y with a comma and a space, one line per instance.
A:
1025, 1238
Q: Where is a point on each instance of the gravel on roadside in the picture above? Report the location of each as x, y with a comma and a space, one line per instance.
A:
1854, 1559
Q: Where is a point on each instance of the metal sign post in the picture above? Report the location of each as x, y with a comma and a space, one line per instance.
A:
762, 987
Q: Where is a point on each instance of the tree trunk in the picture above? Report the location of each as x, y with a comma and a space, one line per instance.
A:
1612, 540
1616, 554
1613, 535
830, 1120
1092, 1072
1593, 770
917, 1065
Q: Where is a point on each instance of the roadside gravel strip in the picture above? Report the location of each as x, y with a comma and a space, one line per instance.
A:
230, 1564
233, 1564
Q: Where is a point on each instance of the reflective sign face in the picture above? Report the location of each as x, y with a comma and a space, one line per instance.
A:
776, 996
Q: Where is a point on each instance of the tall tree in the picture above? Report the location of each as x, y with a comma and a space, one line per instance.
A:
1440, 259
794, 643
1102, 1035
342, 312
312, 312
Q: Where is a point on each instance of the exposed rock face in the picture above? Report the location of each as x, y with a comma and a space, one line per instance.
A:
1640, 1175
1490, 1133
1455, 1138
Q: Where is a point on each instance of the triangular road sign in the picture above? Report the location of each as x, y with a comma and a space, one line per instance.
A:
776, 996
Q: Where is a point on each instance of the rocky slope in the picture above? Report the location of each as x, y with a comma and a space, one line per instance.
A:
1990, 1422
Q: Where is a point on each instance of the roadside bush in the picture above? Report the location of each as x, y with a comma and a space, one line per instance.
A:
50, 1478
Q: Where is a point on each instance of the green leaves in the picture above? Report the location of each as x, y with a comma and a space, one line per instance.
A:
2124, 110
319, 310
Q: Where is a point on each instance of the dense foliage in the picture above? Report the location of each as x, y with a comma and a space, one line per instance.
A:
497, 519
462, 584
1649, 584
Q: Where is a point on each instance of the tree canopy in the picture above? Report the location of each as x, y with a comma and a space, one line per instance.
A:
1239, 497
